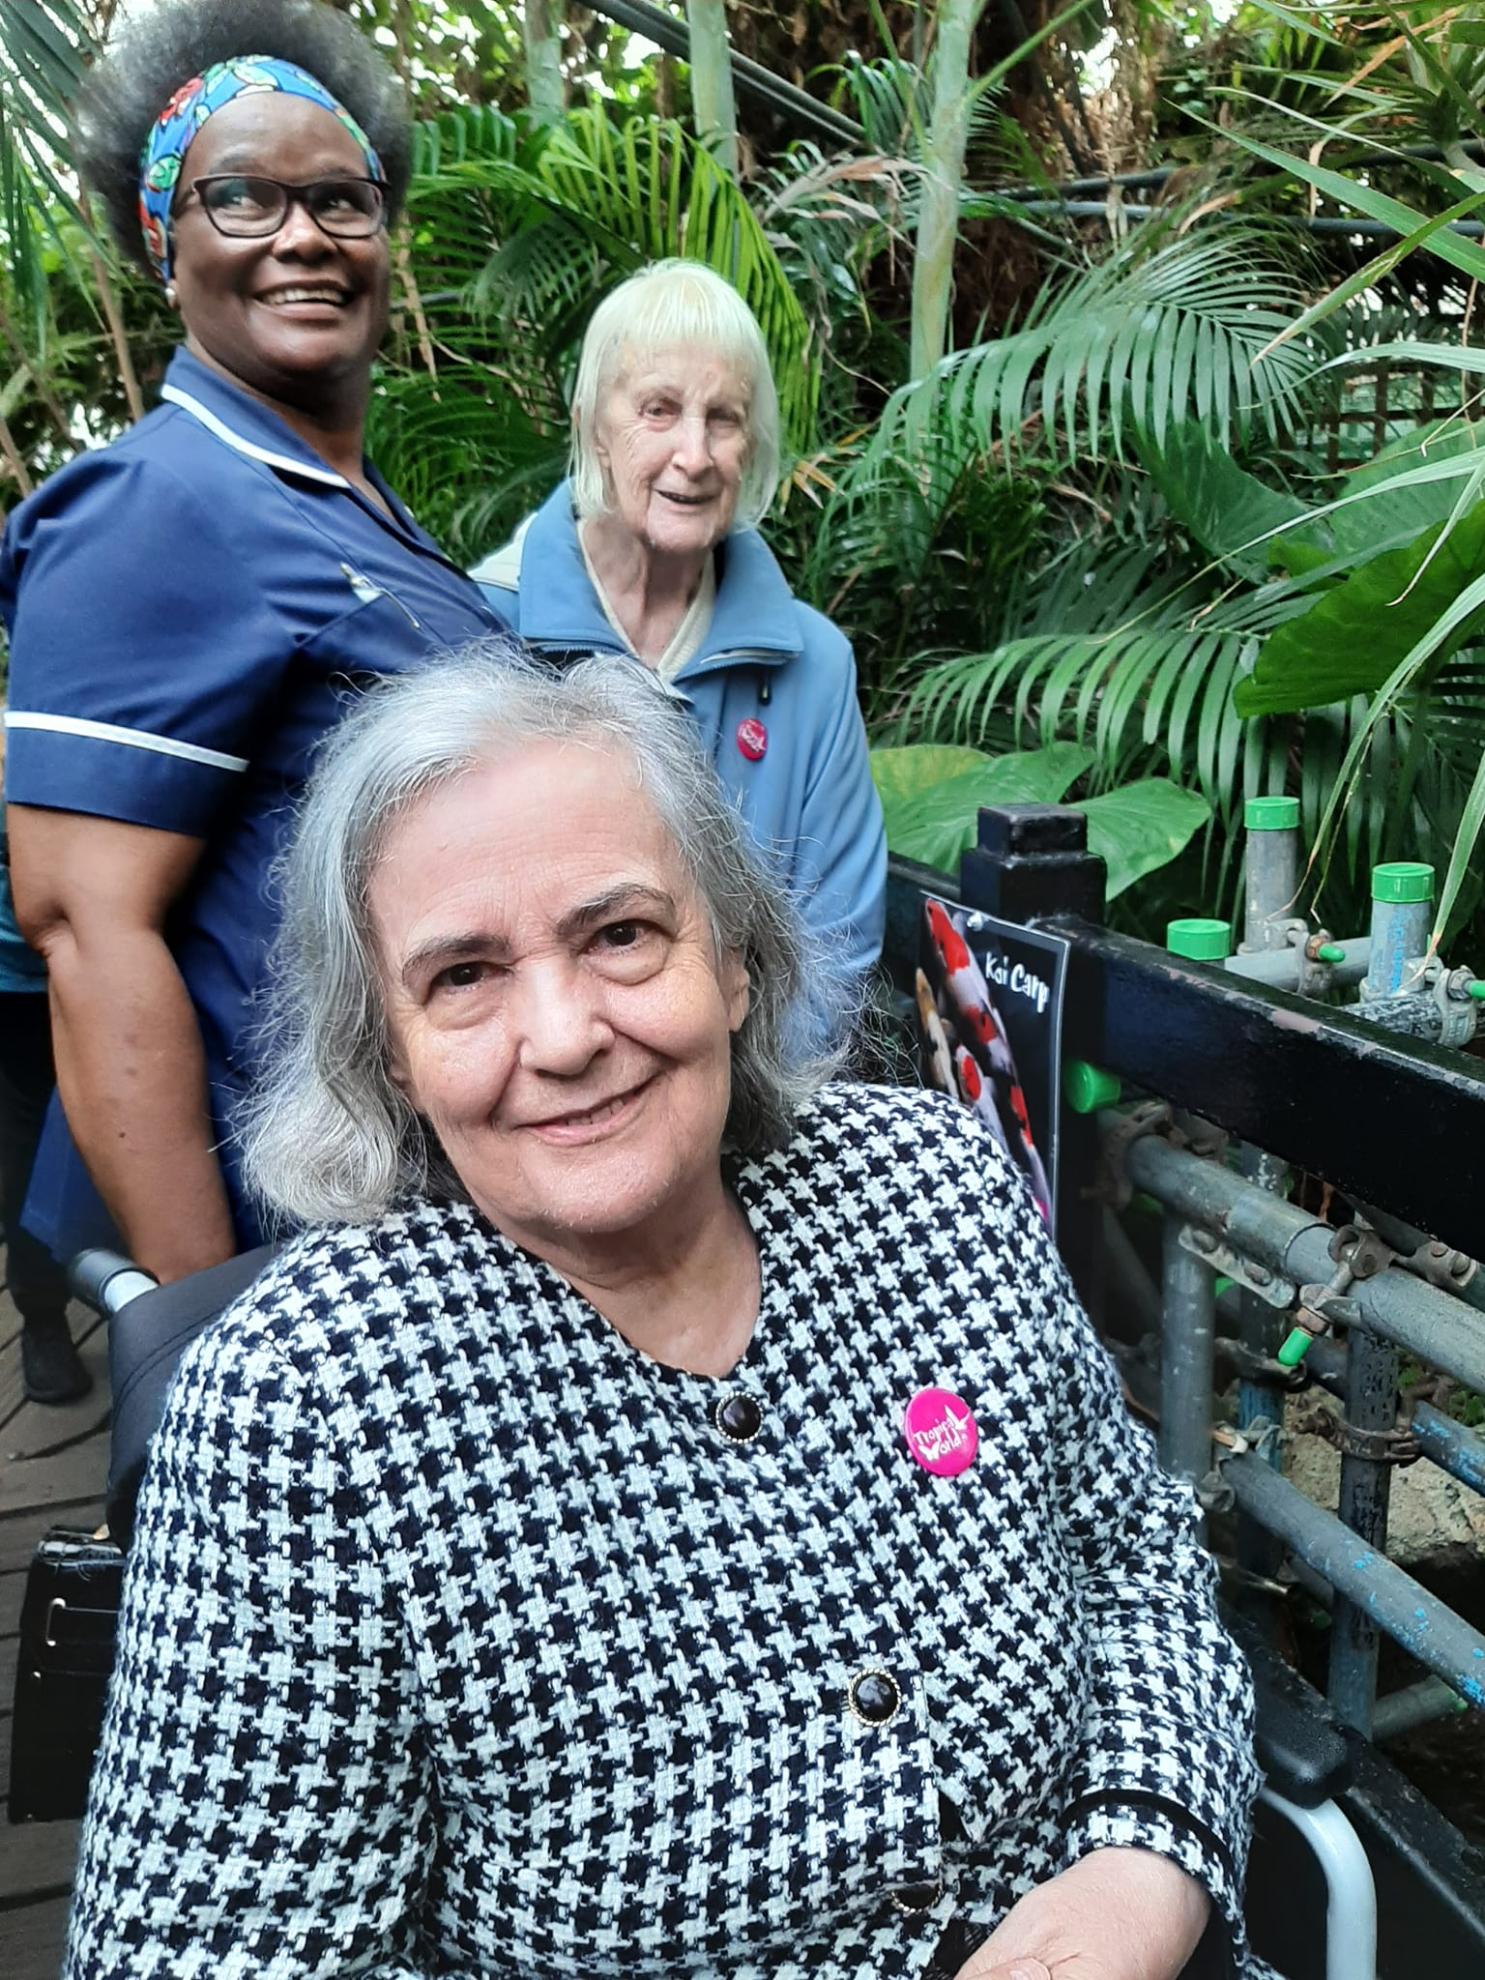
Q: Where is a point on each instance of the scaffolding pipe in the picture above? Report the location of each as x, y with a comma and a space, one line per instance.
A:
1395, 1602
1157, 175
1449, 1444
1270, 873
1430, 1324
1416, 1249
1279, 968
1366, 1489
1100, 209
1187, 1338
1129, 1280
1415, 1705
1452, 1446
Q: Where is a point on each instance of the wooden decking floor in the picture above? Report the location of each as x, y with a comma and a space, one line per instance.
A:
53, 1464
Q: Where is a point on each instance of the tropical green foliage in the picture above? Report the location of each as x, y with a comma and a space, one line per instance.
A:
1124, 542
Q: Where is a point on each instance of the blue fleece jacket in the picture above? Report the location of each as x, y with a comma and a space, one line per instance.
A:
767, 660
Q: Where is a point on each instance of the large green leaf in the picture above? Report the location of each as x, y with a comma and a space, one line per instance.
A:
1352, 637
931, 797
1229, 512
931, 793
1141, 827
1385, 505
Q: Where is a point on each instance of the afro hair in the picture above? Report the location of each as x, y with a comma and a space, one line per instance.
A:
178, 39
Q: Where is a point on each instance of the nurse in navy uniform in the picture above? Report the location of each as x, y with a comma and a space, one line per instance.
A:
193, 608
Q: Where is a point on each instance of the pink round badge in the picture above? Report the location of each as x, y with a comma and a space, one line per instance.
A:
752, 739
941, 1432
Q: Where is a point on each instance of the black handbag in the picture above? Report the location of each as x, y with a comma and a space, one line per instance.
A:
69, 1622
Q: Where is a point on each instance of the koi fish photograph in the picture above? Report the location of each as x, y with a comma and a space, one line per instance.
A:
989, 999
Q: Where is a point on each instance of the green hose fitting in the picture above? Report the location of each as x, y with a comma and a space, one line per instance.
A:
1086, 1088
1476, 990
1294, 1350
1200, 939
1330, 952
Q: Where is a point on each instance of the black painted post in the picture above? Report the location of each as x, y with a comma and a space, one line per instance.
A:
1366, 1485
1032, 864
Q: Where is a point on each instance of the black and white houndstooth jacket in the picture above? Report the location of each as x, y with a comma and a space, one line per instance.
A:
460, 1639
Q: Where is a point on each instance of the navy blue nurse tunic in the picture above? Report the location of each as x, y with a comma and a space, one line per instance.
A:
190, 611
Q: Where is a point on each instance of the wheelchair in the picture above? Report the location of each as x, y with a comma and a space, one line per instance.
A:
72, 1605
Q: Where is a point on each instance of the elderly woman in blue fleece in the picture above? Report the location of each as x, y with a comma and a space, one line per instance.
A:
651, 548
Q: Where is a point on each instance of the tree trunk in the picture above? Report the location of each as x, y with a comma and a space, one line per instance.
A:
542, 23
943, 164
712, 106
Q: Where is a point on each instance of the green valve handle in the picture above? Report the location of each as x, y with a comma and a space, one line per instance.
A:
1294, 1350
1330, 952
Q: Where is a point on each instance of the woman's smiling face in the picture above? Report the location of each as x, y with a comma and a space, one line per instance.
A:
556, 1010
293, 313
671, 435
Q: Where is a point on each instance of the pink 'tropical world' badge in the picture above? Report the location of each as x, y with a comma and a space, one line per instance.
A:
752, 739
941, 1432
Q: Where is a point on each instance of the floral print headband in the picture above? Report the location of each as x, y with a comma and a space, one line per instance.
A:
193, 103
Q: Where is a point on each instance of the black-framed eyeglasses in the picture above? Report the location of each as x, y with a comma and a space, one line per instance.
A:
246, 206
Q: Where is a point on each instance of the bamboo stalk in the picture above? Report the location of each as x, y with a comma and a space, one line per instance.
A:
712, 103
114, 316
402, 250
541, 24
943, 160
414, 298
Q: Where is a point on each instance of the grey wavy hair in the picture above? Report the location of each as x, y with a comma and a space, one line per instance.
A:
328, 1136
675, 305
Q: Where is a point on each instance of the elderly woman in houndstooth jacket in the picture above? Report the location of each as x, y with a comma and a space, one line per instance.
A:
668, 1515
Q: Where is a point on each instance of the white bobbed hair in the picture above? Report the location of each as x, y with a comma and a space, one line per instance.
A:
675, 305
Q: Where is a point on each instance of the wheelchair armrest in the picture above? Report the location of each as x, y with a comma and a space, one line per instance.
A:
106, 1281
1305, 1755
146, 1339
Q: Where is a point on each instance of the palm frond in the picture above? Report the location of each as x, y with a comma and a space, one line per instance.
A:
535, 226
1143, 340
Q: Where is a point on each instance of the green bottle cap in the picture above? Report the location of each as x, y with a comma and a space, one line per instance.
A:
1476, 990
1402, 880
1330, 952
1201, 940
1294, 1350
1087, 1088
1271, 814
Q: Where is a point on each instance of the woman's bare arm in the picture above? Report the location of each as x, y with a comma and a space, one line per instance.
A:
92, 894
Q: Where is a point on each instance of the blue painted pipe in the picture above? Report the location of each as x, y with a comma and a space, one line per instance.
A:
1453, 1447
1450, 1445
1402, 916
1394, 1601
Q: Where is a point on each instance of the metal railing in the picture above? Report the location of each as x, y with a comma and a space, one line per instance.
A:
1236, 1086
